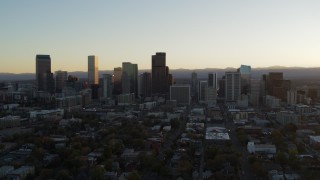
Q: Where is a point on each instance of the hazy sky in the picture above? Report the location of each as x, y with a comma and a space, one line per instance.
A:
194, 34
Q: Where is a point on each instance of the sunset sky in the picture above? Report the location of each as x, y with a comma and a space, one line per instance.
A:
194, 34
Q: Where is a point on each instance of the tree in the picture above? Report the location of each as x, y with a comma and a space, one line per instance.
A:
211, 152
2, 147
107, 152
184, 167
277, 139
175, 123
252, 159
242, 137
134, 175
63, 175
46, 174
97, 173
281, 158
291, 128
293, 160
259, 169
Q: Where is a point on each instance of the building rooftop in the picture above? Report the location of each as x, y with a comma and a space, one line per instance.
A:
259, 146
315, 138
217, 136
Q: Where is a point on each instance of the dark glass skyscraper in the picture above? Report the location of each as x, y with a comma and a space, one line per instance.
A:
129, 78
44, 77
61, 78
117, 80
160, 74
194, 84
145, 84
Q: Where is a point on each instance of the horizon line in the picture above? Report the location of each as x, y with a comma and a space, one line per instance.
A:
269, 67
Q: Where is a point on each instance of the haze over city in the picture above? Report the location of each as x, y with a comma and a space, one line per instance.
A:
214, 34
159, 90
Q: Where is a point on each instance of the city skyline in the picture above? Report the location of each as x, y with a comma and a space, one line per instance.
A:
208, 34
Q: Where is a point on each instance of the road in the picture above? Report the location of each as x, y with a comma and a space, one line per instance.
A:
246, 170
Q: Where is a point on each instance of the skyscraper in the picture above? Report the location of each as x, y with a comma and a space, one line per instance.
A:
93, 76
160, 74
61, 78
255, 91
129, 78
203, 87
117, 80
213, 80
245, 72
194, 84
276, 86
145, 84
43, 73
212, 89
180, 93
232, 86
106, 85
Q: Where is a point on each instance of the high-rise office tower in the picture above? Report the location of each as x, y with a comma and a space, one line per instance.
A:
180, 93
232, 86
245, 72
160, 74
222, 88
44, 77
212, 89
213, 80
74, 83
117, 80
292, 97
255, 91
203, 87
194, 84
61, 78
106, 85
276, 86
129, 78
145, 84
93, 76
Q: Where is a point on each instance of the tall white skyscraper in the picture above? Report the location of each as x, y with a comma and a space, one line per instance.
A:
233, 86
93, 76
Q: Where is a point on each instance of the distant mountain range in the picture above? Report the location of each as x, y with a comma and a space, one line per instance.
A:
289, 73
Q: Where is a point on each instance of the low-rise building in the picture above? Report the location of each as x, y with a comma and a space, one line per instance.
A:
261, 148
238, 115
44, 114
129, 154
126, 99
9, 122
305, 132
68, 122
279, 175
287, 117
314, 140
303, 109
148, 105
21, 173
272, 101
217, 135
4, 170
